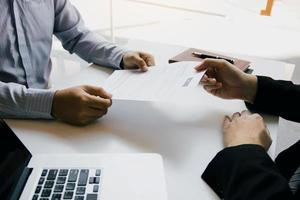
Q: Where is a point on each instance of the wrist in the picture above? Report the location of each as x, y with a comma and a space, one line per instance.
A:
250, 88
54, 105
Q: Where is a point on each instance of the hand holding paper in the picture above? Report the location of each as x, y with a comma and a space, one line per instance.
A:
160, 83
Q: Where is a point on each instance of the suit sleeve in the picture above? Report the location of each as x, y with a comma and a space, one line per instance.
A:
278, 98
246, 172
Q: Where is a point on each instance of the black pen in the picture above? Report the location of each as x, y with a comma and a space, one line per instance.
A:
203, 56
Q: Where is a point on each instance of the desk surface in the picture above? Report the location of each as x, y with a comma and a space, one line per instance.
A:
187, 135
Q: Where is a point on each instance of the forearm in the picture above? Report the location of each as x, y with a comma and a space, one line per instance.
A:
277, 97
76, 38
93, 48
16, 101
246, 172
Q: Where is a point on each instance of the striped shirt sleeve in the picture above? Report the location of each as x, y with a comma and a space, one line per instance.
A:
70, 29
17, 101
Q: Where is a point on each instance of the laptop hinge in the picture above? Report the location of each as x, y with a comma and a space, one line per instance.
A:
21, 184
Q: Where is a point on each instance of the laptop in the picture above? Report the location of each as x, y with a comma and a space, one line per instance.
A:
77, 176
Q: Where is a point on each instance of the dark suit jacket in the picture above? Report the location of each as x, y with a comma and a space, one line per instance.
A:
246, 171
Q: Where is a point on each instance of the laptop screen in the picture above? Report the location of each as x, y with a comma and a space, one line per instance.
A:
14, 158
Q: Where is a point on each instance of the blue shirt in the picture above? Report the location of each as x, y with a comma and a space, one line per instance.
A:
26, 30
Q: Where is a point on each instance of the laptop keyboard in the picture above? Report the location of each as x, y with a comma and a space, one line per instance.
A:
75, 184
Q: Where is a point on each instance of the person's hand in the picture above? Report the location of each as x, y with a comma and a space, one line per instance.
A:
138, 60
246, 128
225, 80
80, 105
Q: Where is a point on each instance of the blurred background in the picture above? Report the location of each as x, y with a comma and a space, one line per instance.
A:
231, 26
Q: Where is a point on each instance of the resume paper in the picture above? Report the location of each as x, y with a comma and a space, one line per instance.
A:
159, 83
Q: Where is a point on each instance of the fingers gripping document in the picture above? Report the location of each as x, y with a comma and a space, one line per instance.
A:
159, 83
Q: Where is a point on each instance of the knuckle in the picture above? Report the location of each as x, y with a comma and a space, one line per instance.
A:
85, 87
101, 89
132, 56
257, 116
109, 104
224, 62
82, 99
236, 114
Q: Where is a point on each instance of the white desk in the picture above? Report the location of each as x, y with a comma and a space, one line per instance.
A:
187, 136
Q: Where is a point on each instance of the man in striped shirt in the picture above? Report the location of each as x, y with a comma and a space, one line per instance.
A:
26, 30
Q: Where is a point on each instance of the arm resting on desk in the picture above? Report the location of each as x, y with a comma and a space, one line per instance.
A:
280, 98
246, 172
16, 101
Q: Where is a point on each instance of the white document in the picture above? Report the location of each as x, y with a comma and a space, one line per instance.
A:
159, 83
